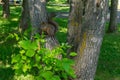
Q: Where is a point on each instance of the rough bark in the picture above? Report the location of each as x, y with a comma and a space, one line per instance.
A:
74, 24
113, 16
90, 34
6, 8
39, 17
24, 21
38, 14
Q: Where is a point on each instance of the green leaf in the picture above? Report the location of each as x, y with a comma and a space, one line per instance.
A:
37, 36
39, 78
30, 53
16, 36
16, 58
37, 57
16, 66
47, 67
38, 66
42, 40
64, 75
34, 45
22, 51
73, 54
27, 44
56, 78
10, 36
47, 75
67, 64
24, 57
66, 67
25, 67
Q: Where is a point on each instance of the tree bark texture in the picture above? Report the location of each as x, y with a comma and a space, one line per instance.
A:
113, 16
39, 21
38, 13
74, 24
6, 9
88, 35
25, 17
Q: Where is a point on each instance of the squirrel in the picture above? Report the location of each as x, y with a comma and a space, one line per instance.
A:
98, 3
50, 27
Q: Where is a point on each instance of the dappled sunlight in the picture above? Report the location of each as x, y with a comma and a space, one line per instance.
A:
64, 30
57, 8
11, 24
7, 26
3, 28
15, 11
14, 19
15, 7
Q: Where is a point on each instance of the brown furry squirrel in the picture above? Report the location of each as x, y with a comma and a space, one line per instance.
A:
49, 28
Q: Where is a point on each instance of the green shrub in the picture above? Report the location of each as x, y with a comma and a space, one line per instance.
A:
34, 59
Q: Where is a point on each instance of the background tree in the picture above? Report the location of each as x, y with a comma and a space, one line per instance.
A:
6, 8
24, 22
113, 16
85, 34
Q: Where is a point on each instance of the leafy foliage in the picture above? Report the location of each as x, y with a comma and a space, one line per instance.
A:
34, 59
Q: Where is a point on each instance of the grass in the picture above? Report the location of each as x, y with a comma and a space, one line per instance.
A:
57, 8
108, 64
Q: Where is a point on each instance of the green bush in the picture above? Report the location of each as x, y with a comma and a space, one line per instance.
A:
34, 59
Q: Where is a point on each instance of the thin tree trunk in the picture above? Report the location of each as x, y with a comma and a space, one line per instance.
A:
90, 34
113, 16
24, 22
6, 8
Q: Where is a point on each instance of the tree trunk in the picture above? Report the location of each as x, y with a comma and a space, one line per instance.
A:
86, 34
74, 25
24, 22
38, 14
40, 22
113, 16
6, 9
